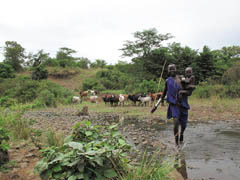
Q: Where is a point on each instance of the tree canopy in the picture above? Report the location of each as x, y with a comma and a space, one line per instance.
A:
146, 41
14, 54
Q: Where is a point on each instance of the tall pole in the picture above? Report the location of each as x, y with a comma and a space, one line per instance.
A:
161, 75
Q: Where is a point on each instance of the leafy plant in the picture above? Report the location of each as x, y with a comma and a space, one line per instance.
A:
4, 138
91, 152
6, 71
39, 73
47, 98
5, 101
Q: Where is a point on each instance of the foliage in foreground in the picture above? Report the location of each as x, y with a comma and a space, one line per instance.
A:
4, 138
151, 169
91, 152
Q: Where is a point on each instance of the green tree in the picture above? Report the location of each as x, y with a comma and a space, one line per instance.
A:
226, 58
83, 63
98, 64
205, 65
37, 59
65, 53
146, 41
183, 57
14, 54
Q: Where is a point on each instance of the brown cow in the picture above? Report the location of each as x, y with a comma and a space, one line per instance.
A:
83, 94
155, 96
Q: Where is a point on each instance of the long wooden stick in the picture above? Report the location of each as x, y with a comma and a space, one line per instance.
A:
161, 75
158, 102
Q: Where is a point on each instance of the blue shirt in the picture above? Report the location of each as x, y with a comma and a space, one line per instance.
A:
172, 93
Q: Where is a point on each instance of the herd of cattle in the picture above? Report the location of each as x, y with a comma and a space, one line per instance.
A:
115, 100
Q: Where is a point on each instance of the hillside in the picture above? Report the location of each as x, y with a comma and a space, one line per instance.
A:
70, 78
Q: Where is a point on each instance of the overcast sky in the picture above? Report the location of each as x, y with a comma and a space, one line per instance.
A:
97, 29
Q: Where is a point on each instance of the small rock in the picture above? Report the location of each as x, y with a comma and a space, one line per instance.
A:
30, 155
23, 165
145, 142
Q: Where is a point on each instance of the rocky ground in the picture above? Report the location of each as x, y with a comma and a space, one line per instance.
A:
23, 158
141, 132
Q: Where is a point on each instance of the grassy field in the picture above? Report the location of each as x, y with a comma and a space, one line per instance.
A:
201, 109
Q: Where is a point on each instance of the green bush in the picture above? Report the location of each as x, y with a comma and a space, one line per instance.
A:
203, 91
39, 73
89, 84
51, 62
27, 92
5, 101
4, 138
6, 71
232, 75
147, 86
41, 93
47, 98
231, 91
91, 152
65, 63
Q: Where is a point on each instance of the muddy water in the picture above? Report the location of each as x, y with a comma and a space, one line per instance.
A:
212, 150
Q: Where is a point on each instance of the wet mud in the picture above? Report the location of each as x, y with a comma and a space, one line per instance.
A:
212, 150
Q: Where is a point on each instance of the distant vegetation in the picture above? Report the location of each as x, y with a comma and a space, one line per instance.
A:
25, 90
216, 71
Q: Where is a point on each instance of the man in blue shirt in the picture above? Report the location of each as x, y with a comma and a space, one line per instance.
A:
178, 107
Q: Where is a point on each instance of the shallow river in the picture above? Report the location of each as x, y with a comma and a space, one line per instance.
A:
212, 150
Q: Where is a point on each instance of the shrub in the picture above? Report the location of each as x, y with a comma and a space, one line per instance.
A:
47, 98
5, 101
6, 71
41, 93
202, 92
27, 91
4, 138
231, 91
147, 86
89, 84
65, 63
89, 153
39, 73
223, 91
232, 75
51, 62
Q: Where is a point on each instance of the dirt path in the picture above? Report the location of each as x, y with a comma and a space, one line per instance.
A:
23, 157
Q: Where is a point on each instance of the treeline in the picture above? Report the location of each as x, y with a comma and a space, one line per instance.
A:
148, 54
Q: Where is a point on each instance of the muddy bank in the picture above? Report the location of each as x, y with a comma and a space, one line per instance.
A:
212, 148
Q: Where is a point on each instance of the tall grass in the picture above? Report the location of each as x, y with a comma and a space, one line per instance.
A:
12, 120
54, 138
151, 169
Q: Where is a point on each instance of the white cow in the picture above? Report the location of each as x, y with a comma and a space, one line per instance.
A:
145, 100
76, 99
94, 99
92, 92
121, 100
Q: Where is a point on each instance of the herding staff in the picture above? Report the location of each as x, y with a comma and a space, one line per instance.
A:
158, 102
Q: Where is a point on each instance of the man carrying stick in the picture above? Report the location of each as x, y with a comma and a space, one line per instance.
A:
178, 107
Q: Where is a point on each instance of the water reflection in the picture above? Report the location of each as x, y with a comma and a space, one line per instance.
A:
180, 165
